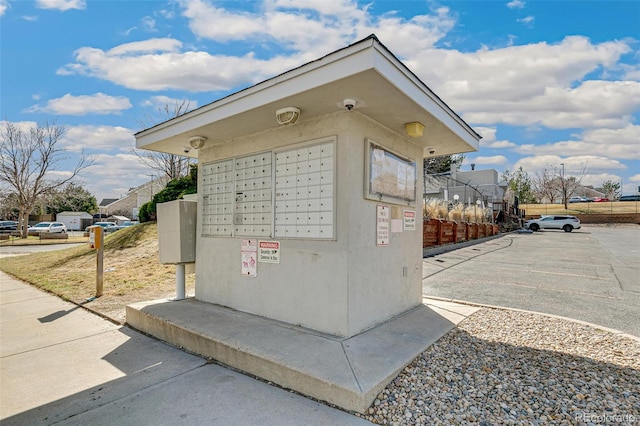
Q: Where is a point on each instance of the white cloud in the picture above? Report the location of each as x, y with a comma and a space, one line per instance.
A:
4, 5
112, 176
536, 83
488, 160
98, 103
635, 178
616, 143
527, 21
516, 4
504, 144
146, 46
161, 102
597, 179
489, 138
573, 166
106, 138
409, 39
61, 5
292, 25
166, 68
560, 107
488, 133
163, 64
149, 23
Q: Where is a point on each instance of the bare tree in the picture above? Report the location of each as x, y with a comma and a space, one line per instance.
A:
552, 184
544, 187
25, 160
170, 165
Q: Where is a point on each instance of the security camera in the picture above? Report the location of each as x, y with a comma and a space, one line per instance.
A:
431, 150
186, 149
349, 104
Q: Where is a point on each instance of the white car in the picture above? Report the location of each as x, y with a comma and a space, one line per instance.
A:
50, 227
564, 222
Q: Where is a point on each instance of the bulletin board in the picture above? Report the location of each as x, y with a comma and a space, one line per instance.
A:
389, 176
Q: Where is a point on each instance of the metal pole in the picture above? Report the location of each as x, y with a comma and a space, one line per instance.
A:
180, 280
564, 189
99, 235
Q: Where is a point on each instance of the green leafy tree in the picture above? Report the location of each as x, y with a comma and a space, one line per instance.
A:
72, 198
175, 189
436, 165
8, 205
521, 185
611, 189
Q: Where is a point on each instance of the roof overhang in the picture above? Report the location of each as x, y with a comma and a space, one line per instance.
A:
385, 90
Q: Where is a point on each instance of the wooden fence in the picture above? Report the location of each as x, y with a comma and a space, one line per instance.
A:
437, 232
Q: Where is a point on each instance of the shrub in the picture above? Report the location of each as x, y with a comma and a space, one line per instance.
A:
175, 190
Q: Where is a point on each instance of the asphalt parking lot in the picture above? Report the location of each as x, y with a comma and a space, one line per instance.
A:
590, 275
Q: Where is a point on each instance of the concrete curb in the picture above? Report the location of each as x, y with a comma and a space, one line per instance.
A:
504, 308
434, 251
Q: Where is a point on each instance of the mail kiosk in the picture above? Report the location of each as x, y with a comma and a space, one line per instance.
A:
314, 218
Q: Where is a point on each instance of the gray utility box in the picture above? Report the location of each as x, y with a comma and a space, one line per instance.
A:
177, 231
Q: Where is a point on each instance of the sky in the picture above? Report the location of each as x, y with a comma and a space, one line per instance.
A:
545, 83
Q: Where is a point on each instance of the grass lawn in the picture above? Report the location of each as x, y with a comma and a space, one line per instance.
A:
132, 271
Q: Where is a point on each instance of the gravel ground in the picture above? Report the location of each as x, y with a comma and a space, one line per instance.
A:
509, 367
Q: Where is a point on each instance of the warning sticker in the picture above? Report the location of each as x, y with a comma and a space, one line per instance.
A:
269, 251
409, 217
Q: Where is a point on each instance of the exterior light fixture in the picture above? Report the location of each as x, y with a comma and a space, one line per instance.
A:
196, 142
288, 115
414, 129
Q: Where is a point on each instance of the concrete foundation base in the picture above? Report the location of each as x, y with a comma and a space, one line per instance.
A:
346, 372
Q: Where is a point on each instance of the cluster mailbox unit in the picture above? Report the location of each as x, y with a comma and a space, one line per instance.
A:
309, 206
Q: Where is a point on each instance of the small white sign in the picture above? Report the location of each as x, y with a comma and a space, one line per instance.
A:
269, 251
383, 219
249, 257
409, 217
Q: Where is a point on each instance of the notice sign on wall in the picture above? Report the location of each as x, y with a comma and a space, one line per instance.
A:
249, 255
409, 218
269, 251
383, 220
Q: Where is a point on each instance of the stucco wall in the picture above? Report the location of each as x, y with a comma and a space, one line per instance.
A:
341, 286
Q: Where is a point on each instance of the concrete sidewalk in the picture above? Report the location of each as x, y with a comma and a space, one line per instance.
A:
60, 364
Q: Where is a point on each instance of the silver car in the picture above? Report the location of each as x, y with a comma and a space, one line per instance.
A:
51, 227
107, 226
564, 222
